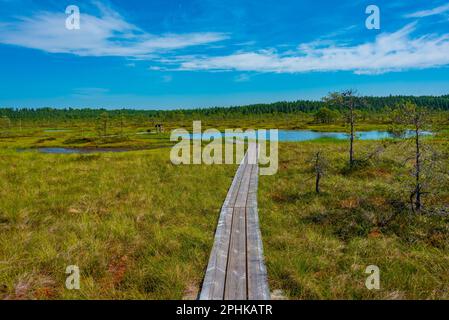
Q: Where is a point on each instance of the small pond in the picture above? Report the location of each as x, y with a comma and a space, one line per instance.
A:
309, 135
283, 136
56, 130
79, 150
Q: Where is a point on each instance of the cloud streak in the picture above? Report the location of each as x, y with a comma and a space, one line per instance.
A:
428, 13
107, 35
389, 52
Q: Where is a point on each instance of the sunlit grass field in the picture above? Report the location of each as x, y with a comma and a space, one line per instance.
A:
318, 246
139, 227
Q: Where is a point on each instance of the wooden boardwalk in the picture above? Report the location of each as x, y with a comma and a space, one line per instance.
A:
236, 269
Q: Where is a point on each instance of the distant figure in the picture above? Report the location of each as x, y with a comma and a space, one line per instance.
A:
159, 127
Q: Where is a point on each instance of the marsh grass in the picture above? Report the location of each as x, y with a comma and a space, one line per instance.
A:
140, 228
137, 226
317, 246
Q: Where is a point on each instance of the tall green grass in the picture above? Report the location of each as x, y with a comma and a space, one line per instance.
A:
318, 246
137, 226
140, 228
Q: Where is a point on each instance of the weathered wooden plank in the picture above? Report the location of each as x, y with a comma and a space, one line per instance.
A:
257, 274
236, 268
242, 195
235, 191
236, 280
252, 153
214, 280
252, 191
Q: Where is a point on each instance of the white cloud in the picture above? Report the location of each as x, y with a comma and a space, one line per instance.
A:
389, 52
107, 35
427, 13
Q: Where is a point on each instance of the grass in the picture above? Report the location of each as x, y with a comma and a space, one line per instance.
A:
140, 228
137, 226
74, 138
318, 246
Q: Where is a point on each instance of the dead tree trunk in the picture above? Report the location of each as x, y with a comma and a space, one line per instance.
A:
351, 140
350, 100
418, 189
318, 171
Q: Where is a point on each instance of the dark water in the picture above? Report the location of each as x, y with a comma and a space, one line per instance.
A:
81, 150
56, 130
283, 136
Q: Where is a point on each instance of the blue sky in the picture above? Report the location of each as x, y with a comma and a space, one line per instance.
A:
197, 53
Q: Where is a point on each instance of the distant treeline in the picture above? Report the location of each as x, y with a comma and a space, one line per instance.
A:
372, 104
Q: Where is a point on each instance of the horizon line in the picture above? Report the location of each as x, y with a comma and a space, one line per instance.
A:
168, 109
